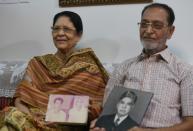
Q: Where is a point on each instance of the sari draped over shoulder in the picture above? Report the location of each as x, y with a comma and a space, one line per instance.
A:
81, 74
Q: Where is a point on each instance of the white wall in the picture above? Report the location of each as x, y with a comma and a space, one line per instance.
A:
111, 30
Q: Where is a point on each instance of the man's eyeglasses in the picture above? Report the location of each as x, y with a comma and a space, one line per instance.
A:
64, 29
154, 25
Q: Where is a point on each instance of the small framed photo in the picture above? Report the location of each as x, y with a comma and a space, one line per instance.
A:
69, 109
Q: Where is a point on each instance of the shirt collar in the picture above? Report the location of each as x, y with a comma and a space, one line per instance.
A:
120, 118
164, 54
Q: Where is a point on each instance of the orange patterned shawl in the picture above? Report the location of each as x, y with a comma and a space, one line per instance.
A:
82, 74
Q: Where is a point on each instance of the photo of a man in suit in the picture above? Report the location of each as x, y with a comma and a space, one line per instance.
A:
120, 121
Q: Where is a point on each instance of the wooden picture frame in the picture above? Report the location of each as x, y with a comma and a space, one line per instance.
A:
73, 3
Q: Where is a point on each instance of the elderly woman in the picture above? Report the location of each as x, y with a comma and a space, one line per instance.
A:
68, 71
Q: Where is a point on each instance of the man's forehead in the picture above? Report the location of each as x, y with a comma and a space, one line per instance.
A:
155, 14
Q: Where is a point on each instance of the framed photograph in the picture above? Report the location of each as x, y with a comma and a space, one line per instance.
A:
67, 109
127, 105
71, 3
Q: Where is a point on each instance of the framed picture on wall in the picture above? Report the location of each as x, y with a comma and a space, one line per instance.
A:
71, 3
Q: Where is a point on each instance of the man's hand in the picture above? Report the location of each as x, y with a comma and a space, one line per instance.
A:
140, 129
92, 124
93, 128
97, 129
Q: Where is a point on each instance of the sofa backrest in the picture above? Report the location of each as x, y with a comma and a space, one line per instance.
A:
11, 73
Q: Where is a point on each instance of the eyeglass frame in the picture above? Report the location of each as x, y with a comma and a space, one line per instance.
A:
152, 24
64, 29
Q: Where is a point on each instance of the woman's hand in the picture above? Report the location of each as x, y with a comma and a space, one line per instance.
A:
23, 108
51, 124
39, 119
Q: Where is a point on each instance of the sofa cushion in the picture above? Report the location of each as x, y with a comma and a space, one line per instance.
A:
11, 73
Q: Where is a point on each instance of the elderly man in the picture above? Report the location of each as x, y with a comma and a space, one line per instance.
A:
158, 71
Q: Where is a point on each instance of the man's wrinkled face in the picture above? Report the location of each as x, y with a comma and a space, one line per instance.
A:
154, 29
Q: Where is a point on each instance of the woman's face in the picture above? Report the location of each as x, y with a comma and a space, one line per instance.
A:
64, 34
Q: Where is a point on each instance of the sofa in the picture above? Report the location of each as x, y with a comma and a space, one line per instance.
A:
12, 72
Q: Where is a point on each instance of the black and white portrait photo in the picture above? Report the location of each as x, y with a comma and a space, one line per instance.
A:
124, 109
